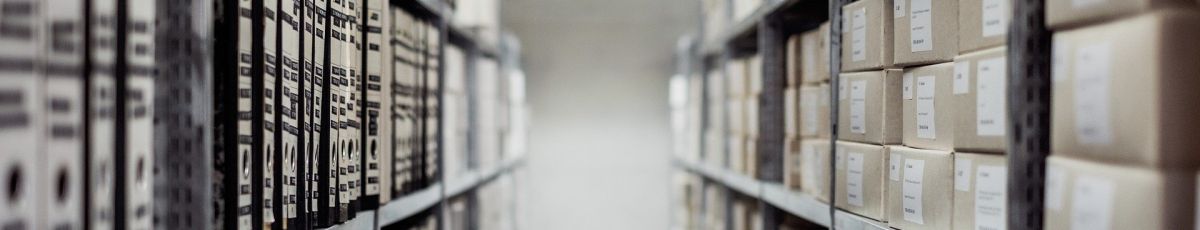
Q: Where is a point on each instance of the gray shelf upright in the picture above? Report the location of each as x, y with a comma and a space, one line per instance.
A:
1028, 112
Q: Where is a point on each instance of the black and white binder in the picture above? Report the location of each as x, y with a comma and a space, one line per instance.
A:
311, 120
21, 108
265, 114
288, 114
234, 121
373, 116
138, 105
101, 115
324, 97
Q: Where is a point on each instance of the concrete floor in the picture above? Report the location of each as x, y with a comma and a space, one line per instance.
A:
597, 85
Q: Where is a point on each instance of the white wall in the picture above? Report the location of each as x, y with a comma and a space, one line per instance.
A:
599, 136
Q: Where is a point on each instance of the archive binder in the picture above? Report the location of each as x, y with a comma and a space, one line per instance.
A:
62, 172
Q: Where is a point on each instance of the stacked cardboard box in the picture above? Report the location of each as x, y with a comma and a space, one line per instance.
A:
806, 113
1123, 78
744, 86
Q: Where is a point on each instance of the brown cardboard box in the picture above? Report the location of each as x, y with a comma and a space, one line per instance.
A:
860, 172
736, 81
791, 112
869, 106
983, 24
737, 153
866, 35
1062, 14
929, 107
750, 158
814, 57
926, 31
814, 111
919, 188
714, 149
980, 191
792, 164
793, 53
815, 159
1125, 91
1082, 194
754, 69
751, 107
980, 101
736, 110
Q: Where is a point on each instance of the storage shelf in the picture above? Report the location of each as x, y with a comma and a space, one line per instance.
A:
741, 27
470, 36
365, 220
478, 177
797, 204
846, 220
410, 205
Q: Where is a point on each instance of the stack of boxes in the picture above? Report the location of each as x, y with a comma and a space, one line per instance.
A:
806, 113
744, 84
922, 113
1123, 76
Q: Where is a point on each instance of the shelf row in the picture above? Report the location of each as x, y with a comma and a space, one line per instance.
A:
422, 200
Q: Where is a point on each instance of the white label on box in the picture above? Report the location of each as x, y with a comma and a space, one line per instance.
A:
858, 46
1055, 180
991, 203
908, 86
854, 179
995, 17
962, 77
894, 164
990, 85
1058, 60
1085, 3
925, 109
898, 8
1091, 206
962, 174
1091, 94
858, 107
914, 171
921, 26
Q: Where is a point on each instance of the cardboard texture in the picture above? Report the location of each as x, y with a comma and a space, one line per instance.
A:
791, 112
980, 101
794, 60
815, 158
1126, 99
792, 162
814, 111
866, 35
929, 107
870, 105
814, 58
1088, 195
861, 173
925, 31
1064, 14
919, 188
983, 24
980, 191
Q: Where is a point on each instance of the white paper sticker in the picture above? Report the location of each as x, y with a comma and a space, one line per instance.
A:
1058, 62
894, 165
808, 169
962, 174
858, 107
854, 179
990, 85
925, 110
962, 77
914, 171
991, 203
921, 25
898, 8
858, 42
908, 86
1091, 206
995, 17
1091, 93
1056, 180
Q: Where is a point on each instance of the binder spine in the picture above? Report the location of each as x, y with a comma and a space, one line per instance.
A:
266, 113
21, 104
139, 71
373, 89
62, 171
288, 113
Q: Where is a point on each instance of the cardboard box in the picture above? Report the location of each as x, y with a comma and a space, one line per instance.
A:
983, 24
926, 31
870, 107
792, 164
980, 101
929, 107
1124, 91
793, 53
754, 72
1063, 14
791, 112
980, 191
737, 84
736, 110
737, 153
750, 157
866, 35
1082, 194
814, 56
814, 111
861, 174
815, 160
751, 107
919, 188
